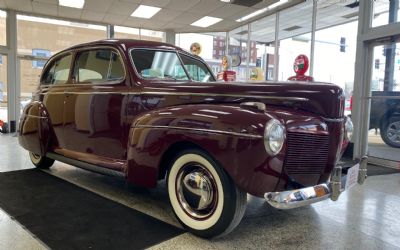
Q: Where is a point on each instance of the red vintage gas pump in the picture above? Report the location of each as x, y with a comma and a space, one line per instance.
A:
226, 75
300, 67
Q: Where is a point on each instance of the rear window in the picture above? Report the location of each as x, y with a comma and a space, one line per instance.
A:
99, 65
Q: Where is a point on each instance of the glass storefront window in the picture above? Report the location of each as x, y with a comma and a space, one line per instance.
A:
126, 32
263, 35
294, 37
212, 47
238, 47
3, 38
385, 12
384, 122
151, 35
3, 87
54, 35
335, 55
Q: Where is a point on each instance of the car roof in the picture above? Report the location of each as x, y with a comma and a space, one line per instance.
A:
127, 44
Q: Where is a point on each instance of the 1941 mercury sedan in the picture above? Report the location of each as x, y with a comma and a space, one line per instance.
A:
149, 111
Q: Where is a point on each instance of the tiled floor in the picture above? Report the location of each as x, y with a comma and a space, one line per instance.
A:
366, 217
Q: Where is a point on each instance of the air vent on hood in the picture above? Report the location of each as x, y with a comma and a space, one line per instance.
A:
247, 3
295, 27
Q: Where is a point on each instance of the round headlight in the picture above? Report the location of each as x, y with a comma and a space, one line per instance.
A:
274, 136
348, 128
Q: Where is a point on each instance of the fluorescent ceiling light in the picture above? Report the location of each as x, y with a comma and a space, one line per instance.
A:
72, 3
255, 13
226, 1
258, 12
145, 11
206, 21
277, 4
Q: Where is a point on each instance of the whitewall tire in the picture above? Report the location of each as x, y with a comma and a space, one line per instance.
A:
203, 197
41, 161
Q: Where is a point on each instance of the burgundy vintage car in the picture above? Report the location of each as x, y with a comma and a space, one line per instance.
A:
148, 111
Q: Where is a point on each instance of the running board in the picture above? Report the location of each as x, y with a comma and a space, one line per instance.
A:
85, 165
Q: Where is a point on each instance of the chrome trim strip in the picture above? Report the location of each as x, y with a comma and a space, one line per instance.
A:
84, 165
35, 116
226, 95
202, 130
187, 94
333, 119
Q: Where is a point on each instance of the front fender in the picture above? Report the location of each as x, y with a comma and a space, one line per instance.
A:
232, 135
34, 128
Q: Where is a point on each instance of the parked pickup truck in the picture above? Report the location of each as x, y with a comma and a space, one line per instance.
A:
385, 115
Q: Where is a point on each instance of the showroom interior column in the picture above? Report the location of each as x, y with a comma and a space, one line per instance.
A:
169, 37
313, 27
12, 88
276, 52
110, 31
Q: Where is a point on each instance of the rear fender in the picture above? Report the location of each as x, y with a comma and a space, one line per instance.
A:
224, 132
35, 129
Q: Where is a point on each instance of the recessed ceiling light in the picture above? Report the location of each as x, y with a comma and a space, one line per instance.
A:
145, 11
226, 1
206, 21
72, 3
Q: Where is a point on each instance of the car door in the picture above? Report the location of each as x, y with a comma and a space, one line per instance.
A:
54, 81
94, 109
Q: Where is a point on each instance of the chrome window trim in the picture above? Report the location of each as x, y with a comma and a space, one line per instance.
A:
79, 50
157, 49
202, 130
50, 61
197, 59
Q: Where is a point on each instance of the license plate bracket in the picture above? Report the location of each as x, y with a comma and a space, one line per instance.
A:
352, 176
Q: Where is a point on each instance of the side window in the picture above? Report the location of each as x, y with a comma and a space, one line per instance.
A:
197, 70
58, 71
158, 64
98, 65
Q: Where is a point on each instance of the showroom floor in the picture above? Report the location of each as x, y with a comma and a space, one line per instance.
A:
366, 217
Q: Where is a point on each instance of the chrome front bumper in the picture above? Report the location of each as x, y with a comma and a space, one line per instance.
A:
305, 196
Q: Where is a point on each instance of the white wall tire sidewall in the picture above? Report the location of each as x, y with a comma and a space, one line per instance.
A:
181, 214
34, 160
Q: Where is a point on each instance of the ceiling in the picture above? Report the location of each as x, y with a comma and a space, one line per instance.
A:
297, 20
176, 15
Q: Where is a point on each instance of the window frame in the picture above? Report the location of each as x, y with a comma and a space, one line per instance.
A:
108, 82
189, 79
196, 59
50, 63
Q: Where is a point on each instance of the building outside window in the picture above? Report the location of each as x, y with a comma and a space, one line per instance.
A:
40, 53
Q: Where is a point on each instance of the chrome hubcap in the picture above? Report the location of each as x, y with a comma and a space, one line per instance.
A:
196, 191
393, 132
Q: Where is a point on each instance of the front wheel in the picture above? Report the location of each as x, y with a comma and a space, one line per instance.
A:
390, 131
42, 162
204, 198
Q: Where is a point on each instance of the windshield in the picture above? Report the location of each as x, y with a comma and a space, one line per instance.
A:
167, 65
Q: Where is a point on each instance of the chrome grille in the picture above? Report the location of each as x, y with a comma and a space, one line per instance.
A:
306, 154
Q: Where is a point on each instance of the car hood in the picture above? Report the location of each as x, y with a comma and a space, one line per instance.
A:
324, 99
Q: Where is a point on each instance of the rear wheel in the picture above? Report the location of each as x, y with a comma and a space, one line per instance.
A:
204, 198
390, 131
42, 162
